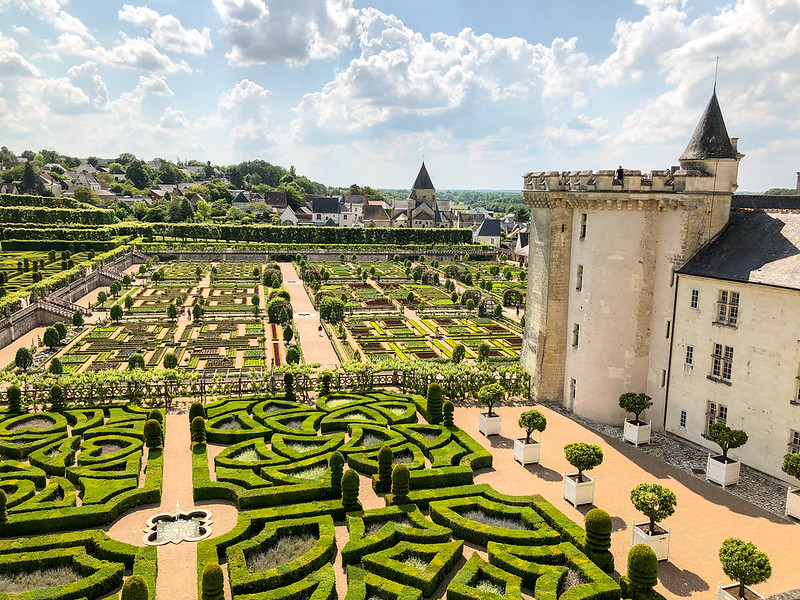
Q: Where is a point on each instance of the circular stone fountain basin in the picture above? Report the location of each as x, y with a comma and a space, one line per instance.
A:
164, 528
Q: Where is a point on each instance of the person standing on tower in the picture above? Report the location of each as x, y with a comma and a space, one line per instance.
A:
619, 174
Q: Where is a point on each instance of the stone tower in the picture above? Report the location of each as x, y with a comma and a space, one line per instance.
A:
600, 270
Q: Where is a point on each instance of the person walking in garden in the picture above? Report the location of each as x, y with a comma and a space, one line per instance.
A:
319, 329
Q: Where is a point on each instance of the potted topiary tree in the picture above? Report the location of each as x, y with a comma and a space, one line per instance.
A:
526, 449
489, 423
742, 562
635, 430
579, 488
791, 466
656, 503
719, 468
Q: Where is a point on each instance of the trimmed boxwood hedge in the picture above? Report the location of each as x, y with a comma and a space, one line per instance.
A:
362, 585
441, 559
544, 569
404, 523
319, 585
449, 513
366, 463
463, 585
323, 444
94, 546
243, 581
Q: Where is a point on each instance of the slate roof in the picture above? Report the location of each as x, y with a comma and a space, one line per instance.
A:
423, 181
374, 212
756, 247
710, 138
489, 228
325, 204
764, 202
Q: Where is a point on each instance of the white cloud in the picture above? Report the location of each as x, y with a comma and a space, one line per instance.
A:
401, 76
82, 90
173, 119
167, 31
127, 53
12, 63
580, 131
291, 31
51, 12
242, 117
20, 30
155, 85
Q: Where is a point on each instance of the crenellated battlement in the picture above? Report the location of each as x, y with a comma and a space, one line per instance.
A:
675, 179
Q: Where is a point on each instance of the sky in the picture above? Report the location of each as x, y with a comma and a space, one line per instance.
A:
360, 91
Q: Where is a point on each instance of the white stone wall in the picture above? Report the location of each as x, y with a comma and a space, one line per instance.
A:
622, 308
766, 364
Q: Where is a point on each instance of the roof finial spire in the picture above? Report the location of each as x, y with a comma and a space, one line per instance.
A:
716, 70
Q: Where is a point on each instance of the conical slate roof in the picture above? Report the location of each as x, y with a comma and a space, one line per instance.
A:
710, 138
423, 181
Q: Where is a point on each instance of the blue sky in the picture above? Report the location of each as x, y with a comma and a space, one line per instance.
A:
357, 91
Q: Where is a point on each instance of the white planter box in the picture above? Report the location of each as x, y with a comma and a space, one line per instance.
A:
792, 503
578, 493
489, 425
526, 454
731, 592
724, 474
636, 434
659, 543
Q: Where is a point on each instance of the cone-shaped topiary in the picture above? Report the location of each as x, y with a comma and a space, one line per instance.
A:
196, 410
3, 513
598, 539
134, 588
325, 384
642, 568
288, 387
434, 403
213, 583
156, 414
400, 478
382, 482
447, 413
336, 464
198, 430
152, 434
350, 483
56, 399
14, 395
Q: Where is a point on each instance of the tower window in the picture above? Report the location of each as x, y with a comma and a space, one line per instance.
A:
695, 299
576, 334
583, 225
689, 356
579, 278
728, 308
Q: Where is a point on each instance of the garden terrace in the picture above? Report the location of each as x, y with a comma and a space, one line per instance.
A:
58, 478
183, 271
20, 270
156, 298
230, 298
285, 538
238, 271
206, 345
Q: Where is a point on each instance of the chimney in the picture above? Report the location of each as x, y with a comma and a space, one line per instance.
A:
735, 143
798, 184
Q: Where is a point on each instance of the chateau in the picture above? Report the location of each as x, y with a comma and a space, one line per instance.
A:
667, 283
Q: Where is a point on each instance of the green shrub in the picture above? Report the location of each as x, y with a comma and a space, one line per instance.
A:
198, 428
727, 438
530, 421
56, 368
583, 457
336, 465
3, 513
447, 413
157, 415
292, 355
350, 484
400, 478
136, 361
196, 410
434, 403
459, 351
134, 588
383, 482
61, 329
170, 360
654, 501
598, 538
51, 338
743, 563
56, 399
325, 384
642, 568
213, 583
791, 462
635, 403
491, 394
288, 385
152, 434
14, 396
